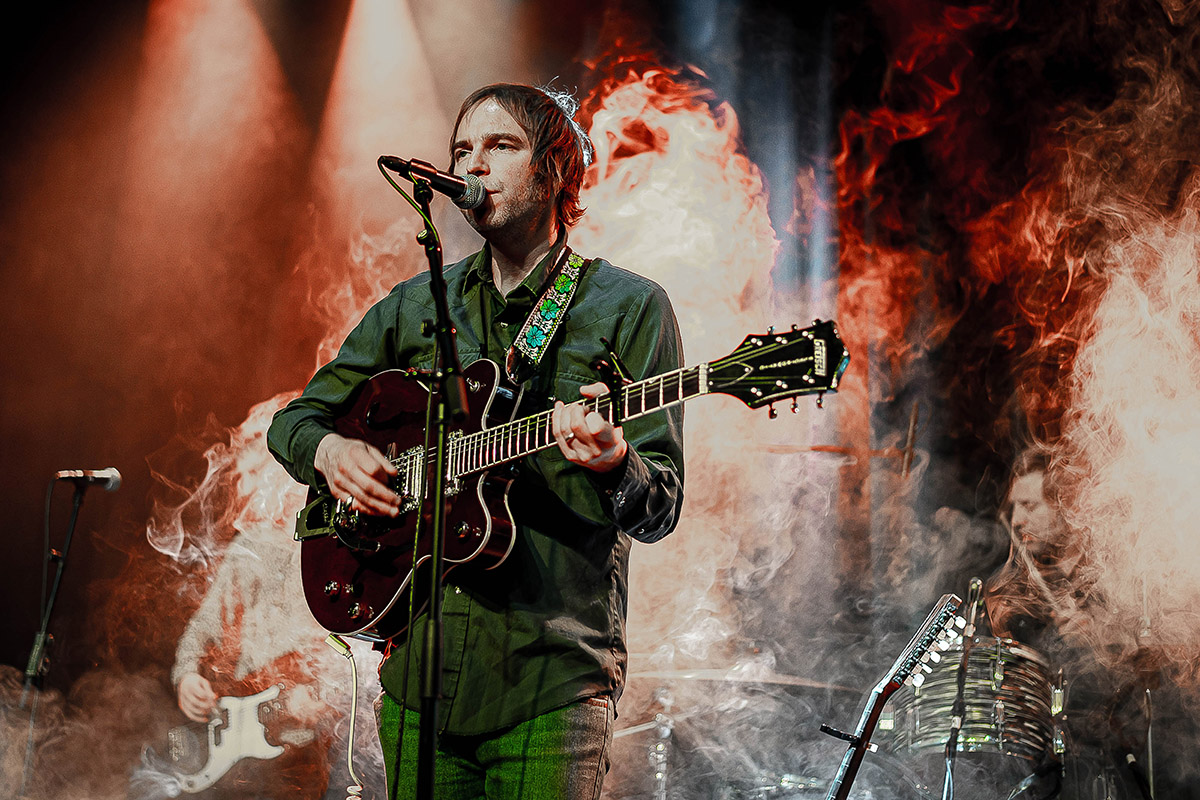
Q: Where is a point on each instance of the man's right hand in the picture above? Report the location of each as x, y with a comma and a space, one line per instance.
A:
196, 697
357, 472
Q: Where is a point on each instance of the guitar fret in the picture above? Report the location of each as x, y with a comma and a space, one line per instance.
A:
517, 438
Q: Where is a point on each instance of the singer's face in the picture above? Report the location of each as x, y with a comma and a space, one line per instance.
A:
492, 145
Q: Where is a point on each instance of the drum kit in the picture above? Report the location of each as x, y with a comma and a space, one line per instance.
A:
1011, 728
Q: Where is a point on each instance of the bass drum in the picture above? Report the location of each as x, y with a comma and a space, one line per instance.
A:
1008, 731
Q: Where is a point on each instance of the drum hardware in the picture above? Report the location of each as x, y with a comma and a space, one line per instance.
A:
1007, 708
1010, 709
658, 751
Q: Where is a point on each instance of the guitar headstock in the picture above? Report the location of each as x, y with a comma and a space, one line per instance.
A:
934, 636
773, 366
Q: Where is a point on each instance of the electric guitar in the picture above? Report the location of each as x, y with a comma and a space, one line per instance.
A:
934, 634
355, 567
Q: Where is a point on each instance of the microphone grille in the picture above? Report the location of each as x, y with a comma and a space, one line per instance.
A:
475, 194
112, 480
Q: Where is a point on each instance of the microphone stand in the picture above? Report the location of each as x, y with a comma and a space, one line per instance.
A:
39, 661
450, 392
959, 709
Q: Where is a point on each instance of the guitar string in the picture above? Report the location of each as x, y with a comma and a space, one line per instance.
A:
475, 451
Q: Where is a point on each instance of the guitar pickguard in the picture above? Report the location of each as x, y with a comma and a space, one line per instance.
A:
235, 732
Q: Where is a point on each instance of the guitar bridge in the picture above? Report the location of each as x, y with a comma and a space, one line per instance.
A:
315, 519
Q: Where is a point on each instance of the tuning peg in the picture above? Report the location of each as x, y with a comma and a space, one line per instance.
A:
821, 400
771, 412
770, 329
795, 406
916, 680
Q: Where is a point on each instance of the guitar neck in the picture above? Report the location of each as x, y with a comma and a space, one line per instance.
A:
852, 760
491, 447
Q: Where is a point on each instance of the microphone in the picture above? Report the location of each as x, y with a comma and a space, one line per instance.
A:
110, 478
465, 192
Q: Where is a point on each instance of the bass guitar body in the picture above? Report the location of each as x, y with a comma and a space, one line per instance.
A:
357, 570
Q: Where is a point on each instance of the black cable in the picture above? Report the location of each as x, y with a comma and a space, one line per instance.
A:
46, 546
1139, 776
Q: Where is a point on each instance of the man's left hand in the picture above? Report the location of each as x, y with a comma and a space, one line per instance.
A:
585, 437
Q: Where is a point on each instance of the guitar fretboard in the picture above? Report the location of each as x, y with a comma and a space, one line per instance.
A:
492, 446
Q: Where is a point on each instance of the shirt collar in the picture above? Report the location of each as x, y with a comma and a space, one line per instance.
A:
479, 271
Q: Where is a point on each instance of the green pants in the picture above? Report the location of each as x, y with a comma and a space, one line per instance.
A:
560, 755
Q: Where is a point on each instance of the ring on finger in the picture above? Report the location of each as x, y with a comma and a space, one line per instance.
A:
570, 435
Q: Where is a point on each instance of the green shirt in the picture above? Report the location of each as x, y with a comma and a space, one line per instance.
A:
547, 626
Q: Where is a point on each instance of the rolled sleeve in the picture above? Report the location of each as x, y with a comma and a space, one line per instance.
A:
644, 497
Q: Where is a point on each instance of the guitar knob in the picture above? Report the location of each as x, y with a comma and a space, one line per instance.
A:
359, 610
333, 589
771, 412
462, 529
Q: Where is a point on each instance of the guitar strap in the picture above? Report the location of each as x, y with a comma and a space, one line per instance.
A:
538, 332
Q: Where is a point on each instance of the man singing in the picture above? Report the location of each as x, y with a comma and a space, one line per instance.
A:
535, 653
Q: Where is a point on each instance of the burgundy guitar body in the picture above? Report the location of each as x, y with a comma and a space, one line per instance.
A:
358, 582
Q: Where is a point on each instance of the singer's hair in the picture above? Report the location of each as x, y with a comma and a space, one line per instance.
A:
561, 150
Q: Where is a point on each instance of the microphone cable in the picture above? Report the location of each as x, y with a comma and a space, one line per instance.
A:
341, 646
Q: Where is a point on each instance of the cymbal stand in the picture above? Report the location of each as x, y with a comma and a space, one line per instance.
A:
660, 745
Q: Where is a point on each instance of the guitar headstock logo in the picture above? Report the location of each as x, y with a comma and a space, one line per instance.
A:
820, 358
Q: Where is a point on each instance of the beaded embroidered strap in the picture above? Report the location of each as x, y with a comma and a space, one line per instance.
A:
538, 331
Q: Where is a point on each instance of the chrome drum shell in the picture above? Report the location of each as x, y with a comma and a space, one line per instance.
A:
1008, 697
